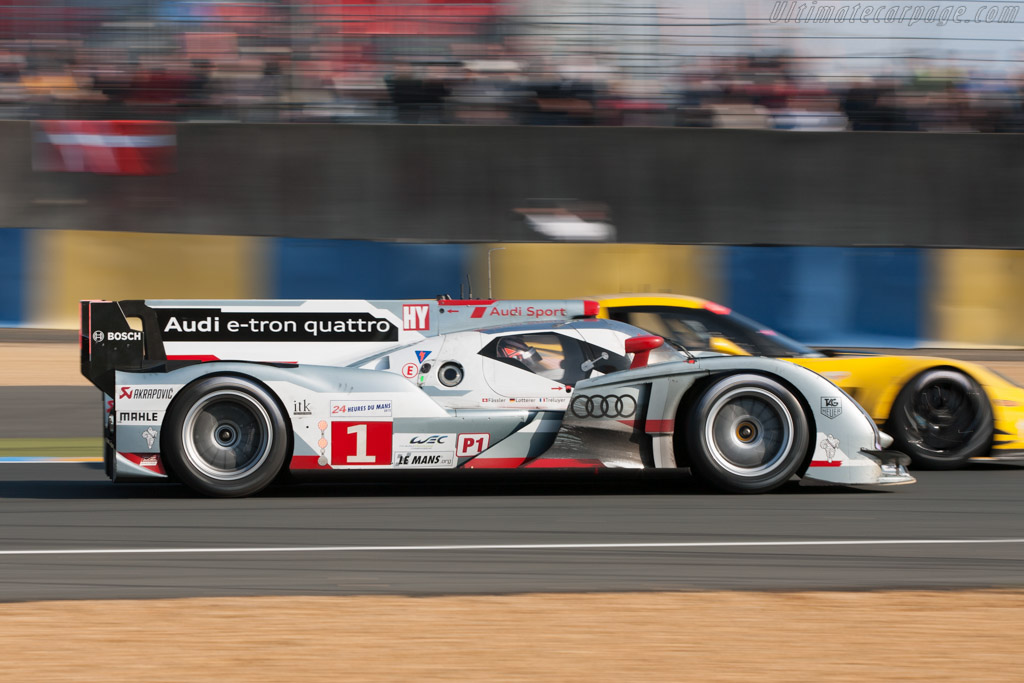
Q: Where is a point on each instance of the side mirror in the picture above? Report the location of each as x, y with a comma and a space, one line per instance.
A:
641, 348
723, 345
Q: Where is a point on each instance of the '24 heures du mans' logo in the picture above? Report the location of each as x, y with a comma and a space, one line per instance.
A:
603, 406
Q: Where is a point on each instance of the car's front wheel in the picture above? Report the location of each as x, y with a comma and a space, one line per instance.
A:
941, 419
225, 437
746, 434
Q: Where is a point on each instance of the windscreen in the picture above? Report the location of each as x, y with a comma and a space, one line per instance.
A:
694, 329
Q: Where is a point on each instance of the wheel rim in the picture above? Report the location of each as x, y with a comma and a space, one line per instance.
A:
943, 415
227, 435
749, 431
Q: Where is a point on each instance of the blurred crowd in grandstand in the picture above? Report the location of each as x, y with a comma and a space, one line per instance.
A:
433, 61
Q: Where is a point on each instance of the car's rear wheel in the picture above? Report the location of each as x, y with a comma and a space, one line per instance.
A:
941, 419
225, 436
746, 434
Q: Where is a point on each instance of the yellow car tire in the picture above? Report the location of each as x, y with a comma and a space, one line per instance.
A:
941, 418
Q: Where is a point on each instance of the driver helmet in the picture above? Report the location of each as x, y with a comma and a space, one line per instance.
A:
512, 347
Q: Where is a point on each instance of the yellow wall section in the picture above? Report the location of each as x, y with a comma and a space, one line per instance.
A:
562, 271
68, 265
978, 300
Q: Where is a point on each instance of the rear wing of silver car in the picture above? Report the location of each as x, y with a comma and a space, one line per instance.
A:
157, 335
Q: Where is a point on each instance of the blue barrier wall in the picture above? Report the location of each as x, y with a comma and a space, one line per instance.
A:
336, 269
12, 276
833, 295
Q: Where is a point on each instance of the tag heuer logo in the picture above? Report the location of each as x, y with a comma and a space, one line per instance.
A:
831, 406
97, 336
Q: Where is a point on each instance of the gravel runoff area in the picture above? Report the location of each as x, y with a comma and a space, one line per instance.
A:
25, 364
835, 636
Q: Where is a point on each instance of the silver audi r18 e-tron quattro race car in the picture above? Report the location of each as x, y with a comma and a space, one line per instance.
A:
226, 395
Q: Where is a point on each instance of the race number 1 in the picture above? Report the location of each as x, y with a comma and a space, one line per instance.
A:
360, 443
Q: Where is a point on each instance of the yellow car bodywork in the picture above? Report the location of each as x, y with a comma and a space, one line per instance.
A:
874, 381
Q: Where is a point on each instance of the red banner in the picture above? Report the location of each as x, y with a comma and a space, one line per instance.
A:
404, 17
109, 147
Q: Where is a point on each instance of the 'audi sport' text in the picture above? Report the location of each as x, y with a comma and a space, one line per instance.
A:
530, 311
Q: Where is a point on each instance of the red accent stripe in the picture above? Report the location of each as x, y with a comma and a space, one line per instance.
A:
206, 358
307, 462
826, 463
494, 463
137, 459
653, 426
660, 426
563, 463
467, 302
478, 312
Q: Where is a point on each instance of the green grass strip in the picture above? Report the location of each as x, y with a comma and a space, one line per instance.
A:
77, 447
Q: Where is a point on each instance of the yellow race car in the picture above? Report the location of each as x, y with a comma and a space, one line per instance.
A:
941, 412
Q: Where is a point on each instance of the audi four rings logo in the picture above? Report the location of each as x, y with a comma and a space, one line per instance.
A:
603, 406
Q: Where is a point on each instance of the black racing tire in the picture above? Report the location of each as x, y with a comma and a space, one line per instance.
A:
746, 434
225, 436
941, 418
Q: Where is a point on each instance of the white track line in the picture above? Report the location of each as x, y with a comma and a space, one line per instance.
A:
505, 546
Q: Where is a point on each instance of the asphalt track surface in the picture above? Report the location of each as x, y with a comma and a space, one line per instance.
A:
68, 533
50, 412
395, 532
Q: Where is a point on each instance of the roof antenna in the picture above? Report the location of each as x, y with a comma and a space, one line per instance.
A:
489, 295
469, 285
